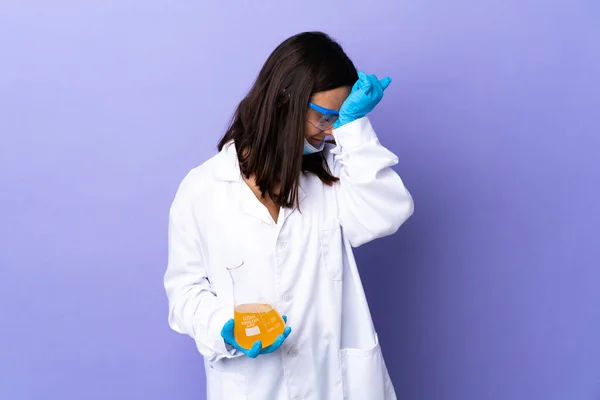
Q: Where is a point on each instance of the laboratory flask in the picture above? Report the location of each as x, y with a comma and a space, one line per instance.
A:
255, 318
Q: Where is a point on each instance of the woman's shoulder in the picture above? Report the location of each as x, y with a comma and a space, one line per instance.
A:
200, 180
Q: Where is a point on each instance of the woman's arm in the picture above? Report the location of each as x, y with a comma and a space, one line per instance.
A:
372, 199
194, 308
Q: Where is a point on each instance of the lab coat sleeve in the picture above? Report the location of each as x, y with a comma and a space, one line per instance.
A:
372, 199
194, 308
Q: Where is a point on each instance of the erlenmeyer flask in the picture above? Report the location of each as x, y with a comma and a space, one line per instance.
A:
255, 318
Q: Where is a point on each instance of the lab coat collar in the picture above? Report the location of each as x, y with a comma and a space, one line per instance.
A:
229, 169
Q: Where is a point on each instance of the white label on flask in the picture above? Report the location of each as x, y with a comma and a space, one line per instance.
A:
255, 330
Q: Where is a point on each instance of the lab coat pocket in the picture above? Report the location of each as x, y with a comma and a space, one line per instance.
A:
225, 380
365, 375
330, 238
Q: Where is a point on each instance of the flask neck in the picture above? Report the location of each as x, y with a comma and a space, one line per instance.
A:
247, 286
242, 284
237, 274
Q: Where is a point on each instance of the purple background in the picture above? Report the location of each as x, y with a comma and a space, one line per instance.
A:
490, 292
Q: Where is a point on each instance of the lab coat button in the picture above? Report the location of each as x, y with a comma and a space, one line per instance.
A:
293, 351
287, 296
281, 244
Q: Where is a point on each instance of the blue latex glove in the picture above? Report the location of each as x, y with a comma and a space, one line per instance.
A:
256, 350
365, 94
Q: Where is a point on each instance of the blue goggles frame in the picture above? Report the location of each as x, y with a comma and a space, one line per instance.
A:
328, 116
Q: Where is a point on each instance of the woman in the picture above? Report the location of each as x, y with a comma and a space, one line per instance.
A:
279, 192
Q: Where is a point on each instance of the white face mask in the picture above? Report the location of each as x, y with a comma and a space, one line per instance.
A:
310, 149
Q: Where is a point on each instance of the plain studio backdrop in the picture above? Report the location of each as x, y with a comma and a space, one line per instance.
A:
491, 291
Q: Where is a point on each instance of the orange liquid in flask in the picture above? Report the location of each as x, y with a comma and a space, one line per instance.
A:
257, 322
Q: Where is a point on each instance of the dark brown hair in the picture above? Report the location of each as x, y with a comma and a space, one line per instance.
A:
269, 124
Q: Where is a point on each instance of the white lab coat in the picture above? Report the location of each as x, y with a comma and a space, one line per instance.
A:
305, 257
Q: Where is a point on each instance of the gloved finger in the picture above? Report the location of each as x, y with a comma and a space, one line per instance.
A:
378, 86
231, 341
284, 318
276, 344
238, 347
269, 349
356, 86
286, 332
363, 78
367, 83
385, 82
227, 329
365, 86
255, 350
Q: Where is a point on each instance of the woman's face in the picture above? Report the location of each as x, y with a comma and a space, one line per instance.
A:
331, 99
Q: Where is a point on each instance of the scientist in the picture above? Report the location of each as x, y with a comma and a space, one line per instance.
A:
281, 192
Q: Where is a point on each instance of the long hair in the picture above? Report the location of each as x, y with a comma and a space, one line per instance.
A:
269, 123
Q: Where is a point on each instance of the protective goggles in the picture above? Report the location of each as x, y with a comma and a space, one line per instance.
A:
326, 117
